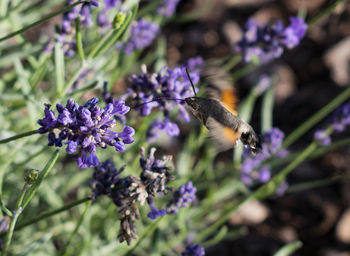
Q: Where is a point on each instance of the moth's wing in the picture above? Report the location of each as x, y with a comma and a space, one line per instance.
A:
224, 137
220, 86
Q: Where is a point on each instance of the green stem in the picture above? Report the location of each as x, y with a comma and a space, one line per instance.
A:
315, 184
79, 39
244, 70
237, 58
52, 213
267, 110
100, 44
323, 112
18, 136
14, 220
324, 12
32, 190
87, 206
65, 9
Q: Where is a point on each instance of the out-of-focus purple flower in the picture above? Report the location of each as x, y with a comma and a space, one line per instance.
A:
268, 42
86, 127
68, 42
184, 196
282, 189
339, 120
105, 177
253, 169
111, 3
322, 137
142, 33
103, 20
166, 91
158, 125
155, 212
167, 7
294, 32
4, 224
263, 84
193, 250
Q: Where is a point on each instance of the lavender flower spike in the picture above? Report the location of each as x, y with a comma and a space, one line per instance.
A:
85, 128
142, 34
268, 42
184, 196
193, 250
167, 8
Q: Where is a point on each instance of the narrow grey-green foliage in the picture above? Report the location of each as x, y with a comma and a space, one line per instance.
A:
55, 204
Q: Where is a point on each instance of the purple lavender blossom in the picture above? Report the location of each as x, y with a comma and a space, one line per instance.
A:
111, 3
155, 212
105, 178
67, 34
85, 128
167, 8
158, 90
268, 42
193, 250
184, 196
338, 121
142, 34
263, 84
322, 137
252, 169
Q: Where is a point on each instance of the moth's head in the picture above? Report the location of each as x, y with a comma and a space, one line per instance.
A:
252, 140
193, 102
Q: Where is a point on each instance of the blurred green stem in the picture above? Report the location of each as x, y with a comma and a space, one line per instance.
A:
52, 213
326, 11
87, 206
14, 220
315, 184
318, 116
79, 39
267, 109
65, 9
32, 190
18, 136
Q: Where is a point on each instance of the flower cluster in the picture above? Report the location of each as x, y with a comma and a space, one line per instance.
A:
86, 127
263, 84
165, 91
103, 20
126, 192
83, 11
254, 167
193, 250
142, 33
167, 7
184, 196
268, 42
338, 122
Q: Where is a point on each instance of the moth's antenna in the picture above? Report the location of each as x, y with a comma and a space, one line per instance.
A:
188, 75
156, 99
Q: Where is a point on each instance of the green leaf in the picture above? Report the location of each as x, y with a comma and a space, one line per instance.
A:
288, 249
59, 67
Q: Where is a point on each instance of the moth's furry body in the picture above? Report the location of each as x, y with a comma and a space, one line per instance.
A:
215, 116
